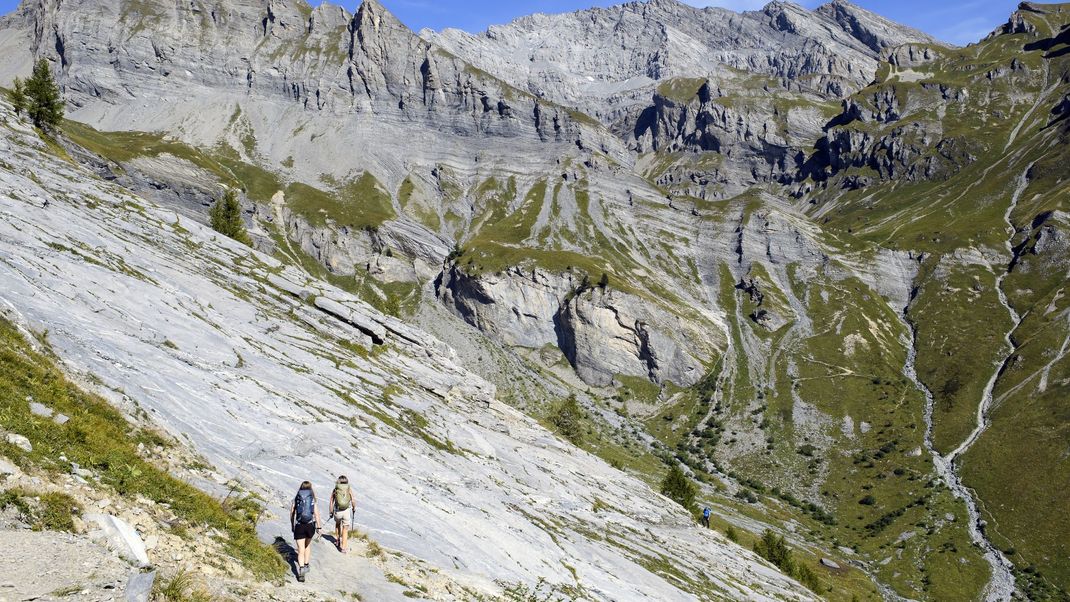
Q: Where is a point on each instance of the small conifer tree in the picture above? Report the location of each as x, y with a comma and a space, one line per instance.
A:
226, 218
43, 102
678, 487
568, 419
17, 96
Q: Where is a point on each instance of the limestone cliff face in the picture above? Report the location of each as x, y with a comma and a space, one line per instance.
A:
191, 68
603, 333
603, 60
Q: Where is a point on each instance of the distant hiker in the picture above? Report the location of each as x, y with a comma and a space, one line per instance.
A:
706, 517
342, 510
305, 523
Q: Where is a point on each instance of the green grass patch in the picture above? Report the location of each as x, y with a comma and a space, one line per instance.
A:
49, 511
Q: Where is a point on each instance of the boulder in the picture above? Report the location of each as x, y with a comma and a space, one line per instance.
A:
121, 537
6, 467
20, 442
832, 564
40, 409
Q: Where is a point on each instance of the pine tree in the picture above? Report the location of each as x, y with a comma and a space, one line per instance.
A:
17, 96
43, 102
677, 487
568, 418
775, 550
226, 218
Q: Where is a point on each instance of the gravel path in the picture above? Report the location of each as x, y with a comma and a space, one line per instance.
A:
56, 566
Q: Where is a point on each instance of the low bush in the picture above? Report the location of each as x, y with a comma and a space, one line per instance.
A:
51, 511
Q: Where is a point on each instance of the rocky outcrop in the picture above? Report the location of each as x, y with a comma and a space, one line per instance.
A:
875, 132
603, 332
909, 56
758, 135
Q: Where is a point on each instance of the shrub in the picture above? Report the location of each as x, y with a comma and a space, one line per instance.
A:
226, 218
51, 511
679, 488
181, 588
774, 549
869, 500
731, 534
43, 102
567, 418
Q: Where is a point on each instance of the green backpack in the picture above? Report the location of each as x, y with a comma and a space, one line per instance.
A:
342, 497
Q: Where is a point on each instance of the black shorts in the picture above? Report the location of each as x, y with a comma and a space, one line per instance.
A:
304, 531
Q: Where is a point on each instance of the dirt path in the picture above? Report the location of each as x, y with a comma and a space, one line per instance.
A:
56, 566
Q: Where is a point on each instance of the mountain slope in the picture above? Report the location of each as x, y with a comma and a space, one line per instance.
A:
275, 378
813, 257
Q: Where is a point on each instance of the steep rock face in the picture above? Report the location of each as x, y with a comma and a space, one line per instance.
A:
606, 333
602, 60
603, 333
253, 75
757, 135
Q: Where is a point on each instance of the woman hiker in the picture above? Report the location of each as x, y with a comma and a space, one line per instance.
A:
341, 509
305, 523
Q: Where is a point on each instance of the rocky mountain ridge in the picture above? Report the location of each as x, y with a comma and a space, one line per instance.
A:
576, 58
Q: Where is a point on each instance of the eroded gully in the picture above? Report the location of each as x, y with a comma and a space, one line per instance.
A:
1001, 586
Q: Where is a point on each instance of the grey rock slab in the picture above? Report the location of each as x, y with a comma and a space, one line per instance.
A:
139, 587
353, 317
832, 564
121, 537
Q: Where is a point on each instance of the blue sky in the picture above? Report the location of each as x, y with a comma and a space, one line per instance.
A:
955, 21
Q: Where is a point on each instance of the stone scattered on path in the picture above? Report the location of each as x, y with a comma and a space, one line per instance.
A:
35, 565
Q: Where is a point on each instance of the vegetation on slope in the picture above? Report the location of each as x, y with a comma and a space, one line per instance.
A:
98, 438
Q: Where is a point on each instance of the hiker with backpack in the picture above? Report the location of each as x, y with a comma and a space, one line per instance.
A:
342, 510
706, 517
305, 523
